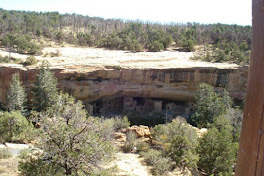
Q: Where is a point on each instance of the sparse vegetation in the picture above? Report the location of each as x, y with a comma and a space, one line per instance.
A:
23, 154
121, 123
31, 60
21, 44
4, 59
4, 153
131, 142
142, 146
160, 164
230, 43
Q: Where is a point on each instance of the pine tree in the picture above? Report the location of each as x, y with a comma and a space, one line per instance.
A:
16, 96
44, 88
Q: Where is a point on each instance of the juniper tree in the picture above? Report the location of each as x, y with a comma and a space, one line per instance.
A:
44, 88
72, 144
217, 151
16, 96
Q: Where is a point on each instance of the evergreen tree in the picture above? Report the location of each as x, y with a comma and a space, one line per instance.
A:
16, 96
209, 105
178, 141
217, 151
14, 127
44, 88
72, 144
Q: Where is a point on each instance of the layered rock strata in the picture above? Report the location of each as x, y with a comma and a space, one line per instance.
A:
100, 83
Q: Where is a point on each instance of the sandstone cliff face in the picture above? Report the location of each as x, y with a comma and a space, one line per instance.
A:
101, 83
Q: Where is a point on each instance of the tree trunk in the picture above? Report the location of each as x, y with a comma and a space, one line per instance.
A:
251, 151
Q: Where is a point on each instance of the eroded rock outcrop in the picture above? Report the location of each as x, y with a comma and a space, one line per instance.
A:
93, 84
140, 131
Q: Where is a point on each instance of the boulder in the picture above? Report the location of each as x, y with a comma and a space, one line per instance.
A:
140, 131
121, 137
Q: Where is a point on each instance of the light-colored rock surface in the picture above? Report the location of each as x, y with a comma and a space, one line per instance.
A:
120, 137
14, 146
98, 57
91, 74
200, 132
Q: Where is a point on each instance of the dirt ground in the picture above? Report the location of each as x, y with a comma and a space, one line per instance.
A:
130, 164
9, 167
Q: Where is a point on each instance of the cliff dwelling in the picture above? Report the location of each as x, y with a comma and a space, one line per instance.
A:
147, 82
140, 104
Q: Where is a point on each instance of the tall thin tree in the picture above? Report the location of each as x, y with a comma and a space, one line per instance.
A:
16, 96
44, 88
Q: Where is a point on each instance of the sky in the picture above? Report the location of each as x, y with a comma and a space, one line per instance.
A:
163, 11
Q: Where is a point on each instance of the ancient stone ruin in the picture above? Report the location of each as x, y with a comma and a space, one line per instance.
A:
109, 90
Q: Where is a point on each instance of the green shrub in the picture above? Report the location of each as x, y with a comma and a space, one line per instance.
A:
71, 142
138, 47
217, 152
162, 165
37, 166
43, 167
156, 46
131, 141
151, 156
121, 123
14, 127
24, 45
142, 146
177, 140
4, 59
167, 41
24, 153
107, 127
209, 105
118, 67
4, 154
154, 158
182, 151
31, 60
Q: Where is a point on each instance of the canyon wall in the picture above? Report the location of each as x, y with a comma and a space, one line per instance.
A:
101, 83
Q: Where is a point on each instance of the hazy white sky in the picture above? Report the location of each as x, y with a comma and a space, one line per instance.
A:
202, 11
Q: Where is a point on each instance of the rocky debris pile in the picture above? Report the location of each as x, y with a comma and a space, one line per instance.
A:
120, 137
140, 131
